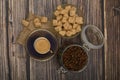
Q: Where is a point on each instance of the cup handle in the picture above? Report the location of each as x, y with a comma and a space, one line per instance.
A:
51, 51
61, 70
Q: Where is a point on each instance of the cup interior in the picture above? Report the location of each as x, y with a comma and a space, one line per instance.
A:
42, 45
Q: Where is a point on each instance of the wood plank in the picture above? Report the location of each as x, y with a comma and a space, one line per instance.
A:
112, 36
4, 70
91, 10
44, 70
17, 11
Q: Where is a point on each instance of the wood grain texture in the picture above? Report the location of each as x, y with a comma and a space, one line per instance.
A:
112, 50
17, 54
4, 66
15, 63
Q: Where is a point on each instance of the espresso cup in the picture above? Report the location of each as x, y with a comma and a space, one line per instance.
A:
42, 45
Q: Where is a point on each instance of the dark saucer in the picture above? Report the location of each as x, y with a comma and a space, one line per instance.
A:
30, 44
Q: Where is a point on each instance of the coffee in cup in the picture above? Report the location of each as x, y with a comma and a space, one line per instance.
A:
42, 45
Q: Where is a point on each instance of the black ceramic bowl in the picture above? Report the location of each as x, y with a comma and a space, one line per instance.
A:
30, 44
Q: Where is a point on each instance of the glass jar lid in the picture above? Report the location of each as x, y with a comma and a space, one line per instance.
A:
92, 37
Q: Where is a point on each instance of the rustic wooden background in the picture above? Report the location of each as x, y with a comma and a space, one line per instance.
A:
15, 64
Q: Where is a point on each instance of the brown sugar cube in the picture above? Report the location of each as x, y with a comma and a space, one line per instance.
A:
64, 20
66, 25
69, 27
62, 33
59, 7
68, 7
66, 16
64, 11
71, 19
75, 26
59, 17
79, 20
73, 8
68, 33
73, 31
55, 22
31, 26
56, 13
65, 28
78, 29
37, 24
25, 23
72, 13
58, 28
44, 19
36, 20
59, 23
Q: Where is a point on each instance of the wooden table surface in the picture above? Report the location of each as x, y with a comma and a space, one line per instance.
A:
15, 64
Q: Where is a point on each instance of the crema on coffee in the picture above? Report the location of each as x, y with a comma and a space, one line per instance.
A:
42, 45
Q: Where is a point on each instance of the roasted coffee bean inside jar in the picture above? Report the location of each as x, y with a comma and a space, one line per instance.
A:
74, 58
